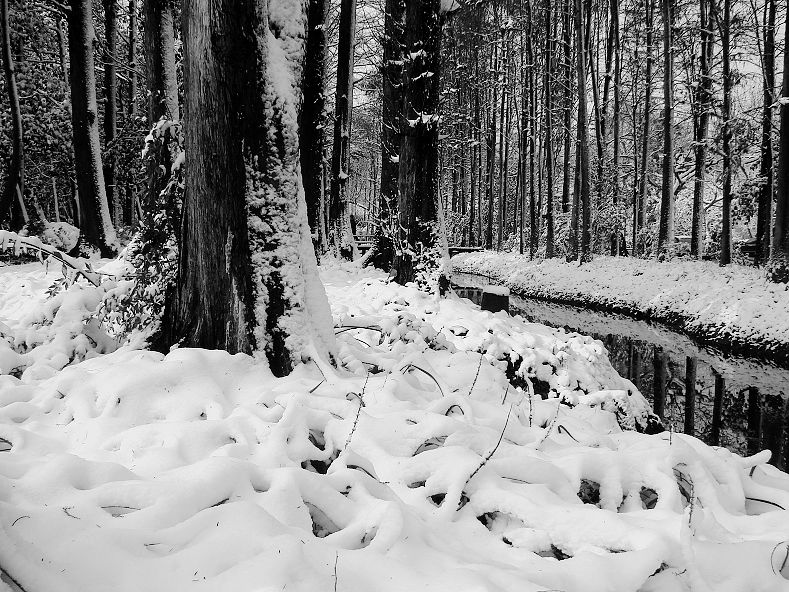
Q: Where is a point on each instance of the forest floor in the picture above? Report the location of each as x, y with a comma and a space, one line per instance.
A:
734, 307
428, 461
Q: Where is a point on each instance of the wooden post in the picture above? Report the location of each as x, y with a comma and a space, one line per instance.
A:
754, 433
659, 382
717, 410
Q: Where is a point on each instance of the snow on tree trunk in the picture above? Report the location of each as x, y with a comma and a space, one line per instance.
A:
94, 214
9, 206
342, 238
764, 213
247, 271
703, 99
313, 120
159, 42
666, 228
421, 252
111, 99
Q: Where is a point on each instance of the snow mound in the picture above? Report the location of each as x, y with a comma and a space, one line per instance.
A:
428, 463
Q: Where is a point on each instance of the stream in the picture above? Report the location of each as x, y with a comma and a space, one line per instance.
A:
738, 402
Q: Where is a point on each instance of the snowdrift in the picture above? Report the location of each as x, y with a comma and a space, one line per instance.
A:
430, 461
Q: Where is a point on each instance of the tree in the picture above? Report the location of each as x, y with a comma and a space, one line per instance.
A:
160, 60
342, 238
11, 206
702, 108
643, 194
725, 29
666, 230
94, 215
422, 235
548, 112
764, 211
110, 98
247, 275
778, 268
313, 121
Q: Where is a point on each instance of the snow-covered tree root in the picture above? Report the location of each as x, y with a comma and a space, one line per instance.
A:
201, 468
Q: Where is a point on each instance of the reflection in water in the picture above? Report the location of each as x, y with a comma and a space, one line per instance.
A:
731, 401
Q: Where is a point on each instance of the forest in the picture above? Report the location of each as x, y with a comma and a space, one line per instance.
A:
380, 295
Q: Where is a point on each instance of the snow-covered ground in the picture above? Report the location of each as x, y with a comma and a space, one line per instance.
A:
733, 306
425, 463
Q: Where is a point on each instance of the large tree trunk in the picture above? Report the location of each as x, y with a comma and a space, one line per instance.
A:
778, 269
160, 61
342, 238
10, 209
421, 219
490, 160
391, 135
703, 108
725, 254
247, 277
313, 120
666, 229
619, 232
95, 222
534, 214
764, 212
567, 104
132, 106
110, 100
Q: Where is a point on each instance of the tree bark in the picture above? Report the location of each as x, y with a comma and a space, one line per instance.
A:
583, 135
10, 210
778, 268
725, 253
160, 61
110, 100
703, 108
764, 212
666, 229
548, 132
342, 238
645, 140
132, 107
567, 104
420, 215
313, 120
95, 222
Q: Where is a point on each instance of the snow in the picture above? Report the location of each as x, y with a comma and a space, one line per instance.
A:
733, 306
418, 465
496, 290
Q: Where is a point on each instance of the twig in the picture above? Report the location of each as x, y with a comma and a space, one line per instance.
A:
476, 375
492, 452
358, 412
336, 559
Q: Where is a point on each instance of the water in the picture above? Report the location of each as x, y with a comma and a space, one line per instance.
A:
738, 402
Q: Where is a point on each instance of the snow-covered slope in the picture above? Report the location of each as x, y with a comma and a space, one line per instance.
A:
732, 306
418, 466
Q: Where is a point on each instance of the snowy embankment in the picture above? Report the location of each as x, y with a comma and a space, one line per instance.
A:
427, 462
733, 306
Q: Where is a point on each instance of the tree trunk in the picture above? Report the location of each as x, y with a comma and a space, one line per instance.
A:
645, 140
583, 135
703, 108
132, 107
9, 207
313, 119
567, 105
247, 277
111, 101
534, 214
490, 161
666, 230
340, 230
160, 61
725, 254
548, 132
391, 135
778, 269
764, 212
621, 223
95, 222
420, 215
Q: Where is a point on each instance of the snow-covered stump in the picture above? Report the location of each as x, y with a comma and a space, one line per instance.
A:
495, 298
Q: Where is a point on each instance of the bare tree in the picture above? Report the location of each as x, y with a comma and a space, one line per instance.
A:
11, 206
666, 229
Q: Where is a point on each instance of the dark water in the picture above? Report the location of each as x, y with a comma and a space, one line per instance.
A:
737, 402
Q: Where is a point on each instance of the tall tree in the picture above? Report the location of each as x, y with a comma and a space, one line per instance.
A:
666, 229
702, 109
420, 215
10, 207
159, 25
548, 113
132, 106
645, 139
94, 215
110, 98
247, 275
343, 240
778, 268
313, 121
726, 114
764, 211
